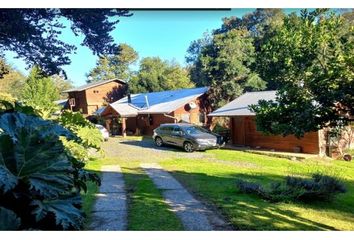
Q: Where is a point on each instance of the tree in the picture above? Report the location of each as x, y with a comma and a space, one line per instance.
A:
61, 85
12, 82
225, 64
115, 65
157, 75
34, 34
261, 23
4, 68
311, 59
40, 92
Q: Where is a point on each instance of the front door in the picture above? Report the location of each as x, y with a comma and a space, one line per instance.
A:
238, 130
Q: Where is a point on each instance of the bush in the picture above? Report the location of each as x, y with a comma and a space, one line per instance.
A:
89, 135
40, 181
319, 188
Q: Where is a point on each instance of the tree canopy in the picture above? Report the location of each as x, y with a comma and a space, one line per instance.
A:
12, 82
227, 59
34, 34
40, 92
61, 85
224, 62
156, 74
115, 65
310, 58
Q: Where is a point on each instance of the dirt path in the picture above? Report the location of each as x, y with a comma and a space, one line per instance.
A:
193, 214
110, 211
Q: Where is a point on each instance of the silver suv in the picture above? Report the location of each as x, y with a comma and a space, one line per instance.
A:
185, 135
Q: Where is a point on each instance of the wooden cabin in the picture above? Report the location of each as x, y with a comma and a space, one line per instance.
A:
88, 98
244, 131
141, 113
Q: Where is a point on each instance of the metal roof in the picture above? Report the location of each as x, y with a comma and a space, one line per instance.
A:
240, 106
91, 85
156, 102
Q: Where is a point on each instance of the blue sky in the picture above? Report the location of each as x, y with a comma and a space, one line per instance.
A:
166, 34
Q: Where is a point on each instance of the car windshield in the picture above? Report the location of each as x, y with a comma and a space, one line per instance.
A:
195, 130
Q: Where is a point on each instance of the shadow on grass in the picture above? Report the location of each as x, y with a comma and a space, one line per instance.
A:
249, 212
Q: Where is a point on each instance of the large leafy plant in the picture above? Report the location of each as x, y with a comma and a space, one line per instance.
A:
88, 135
40, 181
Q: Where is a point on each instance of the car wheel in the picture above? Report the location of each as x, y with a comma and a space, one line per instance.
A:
158, 141
188, 147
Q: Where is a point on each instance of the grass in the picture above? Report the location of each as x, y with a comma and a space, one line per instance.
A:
146, 208
214, 181
89, 198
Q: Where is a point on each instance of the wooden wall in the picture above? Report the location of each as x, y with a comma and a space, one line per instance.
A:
109, 92
193, 115
244, 132
144, 125
80, 101
89, 100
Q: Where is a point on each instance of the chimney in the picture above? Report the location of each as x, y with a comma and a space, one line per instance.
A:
147, 101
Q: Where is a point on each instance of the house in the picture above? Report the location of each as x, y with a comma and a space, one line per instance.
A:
244, 131
90, 97
140, 113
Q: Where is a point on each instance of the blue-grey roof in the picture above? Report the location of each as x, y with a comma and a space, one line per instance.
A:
91, 85
240, 106
156, 102
61, 102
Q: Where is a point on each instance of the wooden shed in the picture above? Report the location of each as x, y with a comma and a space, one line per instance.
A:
244, 131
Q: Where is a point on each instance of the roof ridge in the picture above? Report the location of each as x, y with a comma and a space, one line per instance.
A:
260, 91
93, 84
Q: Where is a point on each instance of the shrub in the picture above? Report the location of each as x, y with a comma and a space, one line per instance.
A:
40, 181
319, 188
89, 135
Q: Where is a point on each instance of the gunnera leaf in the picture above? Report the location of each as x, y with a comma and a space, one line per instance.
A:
8, 220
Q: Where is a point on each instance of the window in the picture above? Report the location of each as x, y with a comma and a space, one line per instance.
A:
95, 91
176, 130
166, 128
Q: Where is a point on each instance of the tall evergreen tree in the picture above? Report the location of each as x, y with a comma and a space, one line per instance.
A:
224, 63
115, 65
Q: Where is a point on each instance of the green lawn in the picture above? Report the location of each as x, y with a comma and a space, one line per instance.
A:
214, 181
212, 178
146, 209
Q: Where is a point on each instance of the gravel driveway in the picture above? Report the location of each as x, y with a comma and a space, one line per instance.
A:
145, 150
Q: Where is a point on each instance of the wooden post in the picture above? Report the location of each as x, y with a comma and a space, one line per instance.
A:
124, 127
